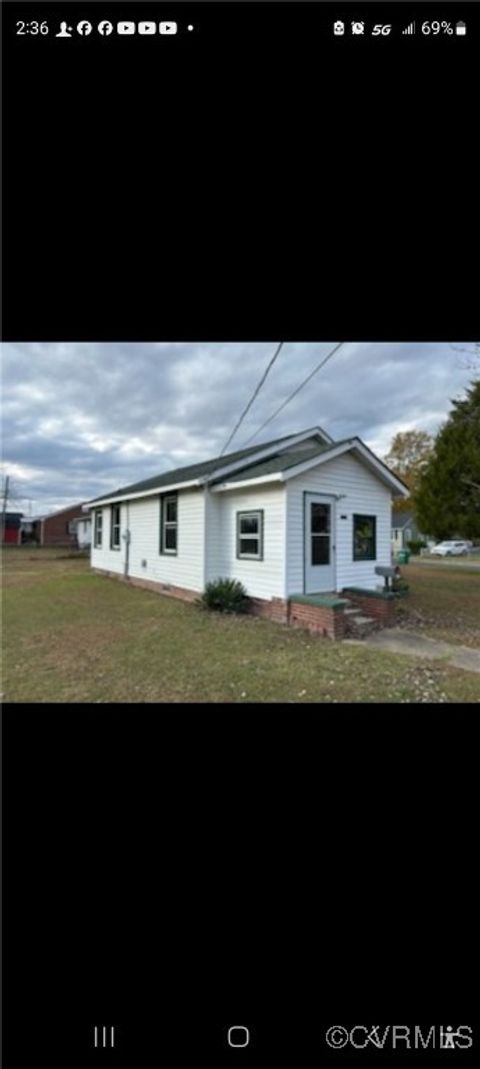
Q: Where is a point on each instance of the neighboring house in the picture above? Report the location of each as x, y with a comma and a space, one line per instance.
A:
301, 514
405, 530
83, 531
11, 525
58, 529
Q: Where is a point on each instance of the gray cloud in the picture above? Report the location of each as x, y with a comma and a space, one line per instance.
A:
80, 419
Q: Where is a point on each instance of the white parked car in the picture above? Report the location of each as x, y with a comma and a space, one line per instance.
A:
451, 549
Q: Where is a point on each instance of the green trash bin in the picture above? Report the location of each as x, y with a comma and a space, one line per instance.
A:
403, 556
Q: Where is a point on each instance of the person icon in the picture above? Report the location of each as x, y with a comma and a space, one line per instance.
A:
448, 1037
64, 30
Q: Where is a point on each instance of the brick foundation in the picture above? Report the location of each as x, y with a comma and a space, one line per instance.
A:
168, 589
276, 609
322, 619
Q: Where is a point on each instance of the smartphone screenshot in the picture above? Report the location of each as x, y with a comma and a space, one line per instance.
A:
240, 556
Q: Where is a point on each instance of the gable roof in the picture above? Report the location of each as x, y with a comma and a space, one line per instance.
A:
289, 464
59, 512
279, 459
402, 519
198, 474
279, 463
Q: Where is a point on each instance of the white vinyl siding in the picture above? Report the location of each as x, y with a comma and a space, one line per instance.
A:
102, 556
213, 534
142, 517
262, 578
362, 493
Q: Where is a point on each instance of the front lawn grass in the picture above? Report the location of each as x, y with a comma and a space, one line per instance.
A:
443, 602
73, 636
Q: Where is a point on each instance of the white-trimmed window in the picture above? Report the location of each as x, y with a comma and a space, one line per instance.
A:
169, 524
364, 537
115, 527
250, 535
97, 541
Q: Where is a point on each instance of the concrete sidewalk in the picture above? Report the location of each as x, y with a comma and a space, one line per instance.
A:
397, 640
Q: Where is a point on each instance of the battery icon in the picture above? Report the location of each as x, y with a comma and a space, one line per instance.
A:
461, 29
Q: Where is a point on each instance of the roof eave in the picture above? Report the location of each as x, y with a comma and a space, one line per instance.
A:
154, 492
276, 476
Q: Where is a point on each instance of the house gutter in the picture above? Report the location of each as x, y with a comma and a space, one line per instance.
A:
115, 498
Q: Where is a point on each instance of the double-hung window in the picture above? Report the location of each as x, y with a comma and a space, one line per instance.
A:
115, 528
169, 524
250, 535
97, 540
364, 537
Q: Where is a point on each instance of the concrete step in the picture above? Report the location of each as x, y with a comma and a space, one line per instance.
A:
360, 626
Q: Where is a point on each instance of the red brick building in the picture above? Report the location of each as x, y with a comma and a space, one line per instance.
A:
58, 529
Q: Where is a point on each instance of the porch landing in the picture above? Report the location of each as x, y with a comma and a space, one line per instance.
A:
330, 600
330, 614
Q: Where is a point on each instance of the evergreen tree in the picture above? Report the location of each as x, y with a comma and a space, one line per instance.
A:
448, 494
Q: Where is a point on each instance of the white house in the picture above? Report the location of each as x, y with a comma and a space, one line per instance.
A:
299, 515
82, 529
405, 529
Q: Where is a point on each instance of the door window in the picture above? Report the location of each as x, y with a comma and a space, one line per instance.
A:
320, 533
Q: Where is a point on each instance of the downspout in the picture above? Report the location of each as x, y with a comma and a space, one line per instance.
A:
285, 548
126, 536
206, 521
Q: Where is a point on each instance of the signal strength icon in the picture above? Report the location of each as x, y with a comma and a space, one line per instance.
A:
409, 29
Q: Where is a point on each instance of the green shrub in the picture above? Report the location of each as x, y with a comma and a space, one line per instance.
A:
400, 586
416, 545
225, 595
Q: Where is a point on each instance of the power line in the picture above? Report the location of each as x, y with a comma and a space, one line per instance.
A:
292, 395
255, 394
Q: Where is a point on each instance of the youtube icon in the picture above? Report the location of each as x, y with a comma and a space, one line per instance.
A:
168, 27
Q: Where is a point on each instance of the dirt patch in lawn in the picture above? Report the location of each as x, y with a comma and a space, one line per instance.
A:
442, 603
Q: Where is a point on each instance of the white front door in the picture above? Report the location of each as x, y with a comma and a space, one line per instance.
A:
319, 544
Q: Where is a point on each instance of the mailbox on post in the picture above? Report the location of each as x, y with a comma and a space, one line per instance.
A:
388, 572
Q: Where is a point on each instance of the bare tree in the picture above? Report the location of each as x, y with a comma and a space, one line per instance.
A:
473, 364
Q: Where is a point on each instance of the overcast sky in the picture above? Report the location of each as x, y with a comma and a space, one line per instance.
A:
83, 419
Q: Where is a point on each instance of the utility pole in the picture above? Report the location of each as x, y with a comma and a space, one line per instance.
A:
4, 509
